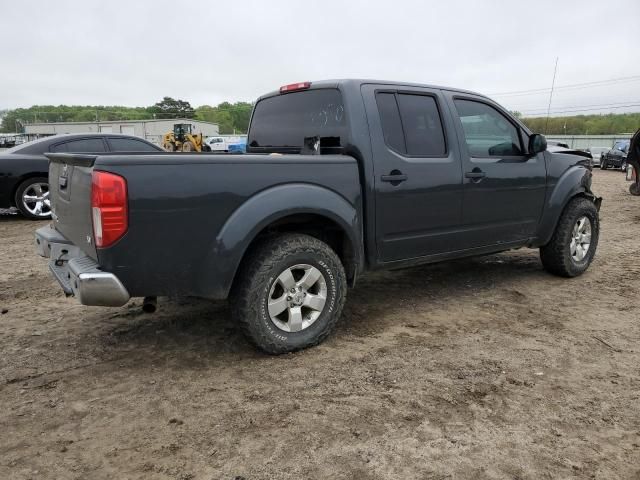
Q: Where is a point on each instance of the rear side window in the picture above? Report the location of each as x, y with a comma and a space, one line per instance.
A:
82, 145
130, 145
286, 120
411, 124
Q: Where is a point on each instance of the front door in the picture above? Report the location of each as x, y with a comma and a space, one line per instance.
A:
504, 187
418, 177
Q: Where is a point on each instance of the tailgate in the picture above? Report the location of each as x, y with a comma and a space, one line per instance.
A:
70, 194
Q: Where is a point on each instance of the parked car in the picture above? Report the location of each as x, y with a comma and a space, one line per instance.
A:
24, 168
226, 144
217, 144
596, 153
616, 157
340, 177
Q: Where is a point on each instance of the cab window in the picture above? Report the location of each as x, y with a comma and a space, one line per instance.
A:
488, 133
411, 124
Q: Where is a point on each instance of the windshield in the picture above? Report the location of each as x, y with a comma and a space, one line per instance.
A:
284, 121
622, 146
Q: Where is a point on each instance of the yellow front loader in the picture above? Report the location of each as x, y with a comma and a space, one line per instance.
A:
182, 139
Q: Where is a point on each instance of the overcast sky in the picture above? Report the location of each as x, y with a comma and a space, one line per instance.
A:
137, 51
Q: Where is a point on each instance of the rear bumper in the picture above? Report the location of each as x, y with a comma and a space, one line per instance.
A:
77, 274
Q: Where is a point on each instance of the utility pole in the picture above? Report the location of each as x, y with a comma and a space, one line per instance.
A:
553, 84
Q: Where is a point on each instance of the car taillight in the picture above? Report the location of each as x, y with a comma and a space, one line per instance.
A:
108, 208
294, 87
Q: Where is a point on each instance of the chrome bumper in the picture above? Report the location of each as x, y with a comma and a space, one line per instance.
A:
77, 274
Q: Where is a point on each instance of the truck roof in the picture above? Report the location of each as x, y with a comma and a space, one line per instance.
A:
334, 83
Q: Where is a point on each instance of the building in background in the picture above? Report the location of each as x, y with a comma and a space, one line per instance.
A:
583, 142
151, 130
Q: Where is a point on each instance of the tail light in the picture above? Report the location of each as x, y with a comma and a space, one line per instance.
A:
294, 87
108, 208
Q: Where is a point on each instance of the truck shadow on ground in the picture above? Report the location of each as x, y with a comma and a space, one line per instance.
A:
206, 328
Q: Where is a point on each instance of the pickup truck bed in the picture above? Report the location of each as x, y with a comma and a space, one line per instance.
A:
188, 242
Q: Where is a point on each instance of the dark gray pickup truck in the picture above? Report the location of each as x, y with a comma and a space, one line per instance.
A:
340, 177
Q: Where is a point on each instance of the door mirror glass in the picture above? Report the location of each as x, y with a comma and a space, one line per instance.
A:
537, 144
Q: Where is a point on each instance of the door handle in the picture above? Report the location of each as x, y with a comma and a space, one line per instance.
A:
475, 175
395, 177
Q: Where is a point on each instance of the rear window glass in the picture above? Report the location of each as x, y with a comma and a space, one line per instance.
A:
285, 120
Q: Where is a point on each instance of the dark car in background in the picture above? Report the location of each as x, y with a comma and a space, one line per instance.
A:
616, 157
24, 169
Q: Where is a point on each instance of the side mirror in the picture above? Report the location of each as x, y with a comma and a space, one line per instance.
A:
537, 144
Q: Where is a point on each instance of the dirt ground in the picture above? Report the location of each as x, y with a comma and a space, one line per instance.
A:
483, 368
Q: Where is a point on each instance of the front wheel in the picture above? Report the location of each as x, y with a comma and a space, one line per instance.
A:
603, 165
289, 293
573, 244
623, 167
32, 198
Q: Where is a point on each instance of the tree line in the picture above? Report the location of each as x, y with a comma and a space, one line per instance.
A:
231, 117
234, 117
608, 124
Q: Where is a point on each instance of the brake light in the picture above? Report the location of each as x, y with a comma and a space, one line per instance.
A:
108, 208
294, 87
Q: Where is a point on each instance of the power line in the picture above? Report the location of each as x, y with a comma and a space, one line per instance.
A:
582, 110
538, 106
601, 106
574, 86
553, 83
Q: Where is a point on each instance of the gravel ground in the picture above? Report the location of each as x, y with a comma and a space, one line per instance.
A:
482, 368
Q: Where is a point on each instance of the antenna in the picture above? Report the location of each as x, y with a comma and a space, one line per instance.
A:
553, 84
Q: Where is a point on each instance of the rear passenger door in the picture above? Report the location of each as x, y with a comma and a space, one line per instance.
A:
417, 172
504, 186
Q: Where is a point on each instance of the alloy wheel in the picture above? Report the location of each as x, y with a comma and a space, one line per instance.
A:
580, 239
297, 298
35, 199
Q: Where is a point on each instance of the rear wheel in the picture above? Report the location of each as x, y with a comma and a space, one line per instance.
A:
573, 244
32, 198
289, 293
